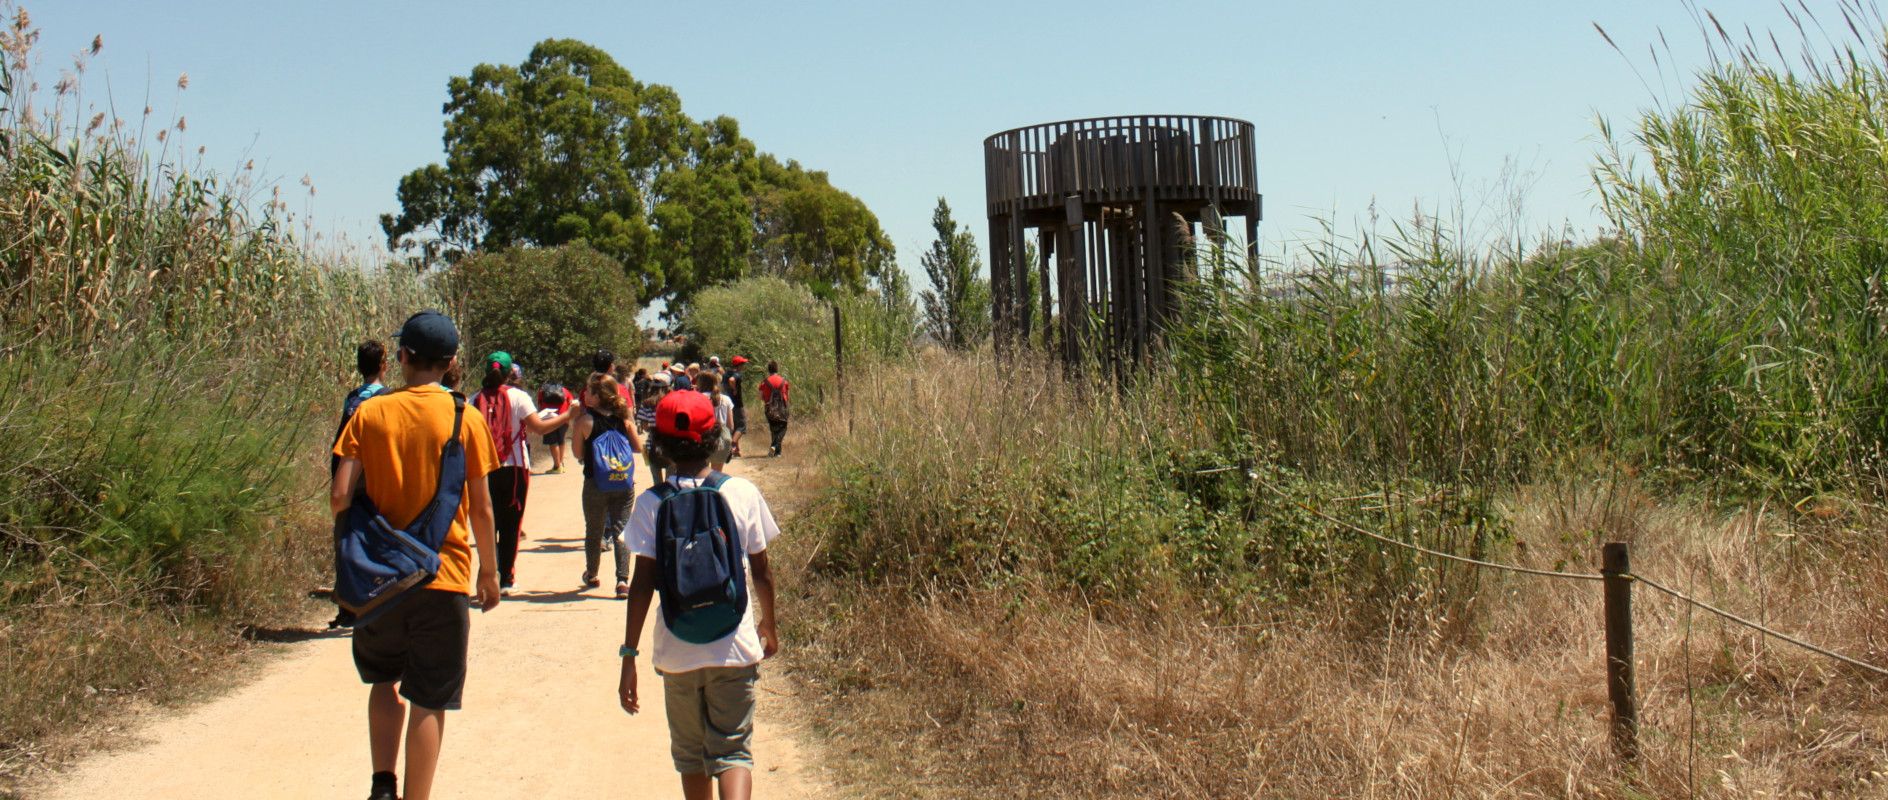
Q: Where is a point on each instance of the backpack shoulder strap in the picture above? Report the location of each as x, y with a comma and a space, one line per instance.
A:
458, 415
715, 480
664, 490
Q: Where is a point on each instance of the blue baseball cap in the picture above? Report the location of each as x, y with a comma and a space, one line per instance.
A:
429, 334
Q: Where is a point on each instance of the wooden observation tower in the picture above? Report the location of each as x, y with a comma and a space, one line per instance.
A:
1114, 203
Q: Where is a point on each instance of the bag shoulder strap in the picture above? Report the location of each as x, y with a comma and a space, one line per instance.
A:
458, 418
715, 480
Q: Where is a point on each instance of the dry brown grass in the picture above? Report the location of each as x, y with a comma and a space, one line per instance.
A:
1023, 686
1030, 689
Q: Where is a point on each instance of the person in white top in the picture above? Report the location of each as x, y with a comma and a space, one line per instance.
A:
708, 688
709, 383
510, 414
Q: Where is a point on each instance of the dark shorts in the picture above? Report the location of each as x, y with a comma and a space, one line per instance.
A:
421, 643
556, 437
740, 419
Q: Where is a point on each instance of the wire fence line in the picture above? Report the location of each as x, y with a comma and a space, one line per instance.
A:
1766, 630
1545, 573
1580, 576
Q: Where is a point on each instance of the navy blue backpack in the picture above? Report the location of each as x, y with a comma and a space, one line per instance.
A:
701, 570
377, 565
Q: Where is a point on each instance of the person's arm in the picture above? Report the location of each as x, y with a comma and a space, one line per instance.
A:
642, 587
481, 516
764, 592
341, 492
541, 426
579, 436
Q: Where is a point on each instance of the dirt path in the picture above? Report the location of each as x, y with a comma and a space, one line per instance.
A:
540, 719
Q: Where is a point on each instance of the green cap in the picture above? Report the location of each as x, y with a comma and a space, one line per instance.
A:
500, 360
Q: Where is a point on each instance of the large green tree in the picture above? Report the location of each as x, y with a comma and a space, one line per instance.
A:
957, 306
569, 147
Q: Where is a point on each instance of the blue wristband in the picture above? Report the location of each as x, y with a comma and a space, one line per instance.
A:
626, 652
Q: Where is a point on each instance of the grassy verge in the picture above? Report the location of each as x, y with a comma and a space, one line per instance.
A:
979, 624
171, 360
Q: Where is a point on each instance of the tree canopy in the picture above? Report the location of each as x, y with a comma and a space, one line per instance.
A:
569, 147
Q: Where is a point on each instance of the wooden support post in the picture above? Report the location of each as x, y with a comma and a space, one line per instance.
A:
1075, 303
1045, 249
1002, 309
1616, 566
1021, 320
1252, 238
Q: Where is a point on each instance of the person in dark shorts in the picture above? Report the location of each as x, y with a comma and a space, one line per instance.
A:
416, 650
734, 385
553, 400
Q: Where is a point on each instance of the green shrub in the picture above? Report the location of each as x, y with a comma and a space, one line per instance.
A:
769, 318
550, 308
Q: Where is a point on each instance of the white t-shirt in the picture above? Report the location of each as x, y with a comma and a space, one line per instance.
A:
755, 521
724, 412
515, 454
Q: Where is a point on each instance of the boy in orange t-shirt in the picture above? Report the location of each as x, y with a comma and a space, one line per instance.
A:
417, 649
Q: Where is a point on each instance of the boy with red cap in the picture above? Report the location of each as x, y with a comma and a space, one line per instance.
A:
708, 687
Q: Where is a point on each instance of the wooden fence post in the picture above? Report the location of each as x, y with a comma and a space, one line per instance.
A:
1616, 566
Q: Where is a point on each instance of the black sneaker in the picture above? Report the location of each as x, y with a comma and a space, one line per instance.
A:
343, 618
386, 787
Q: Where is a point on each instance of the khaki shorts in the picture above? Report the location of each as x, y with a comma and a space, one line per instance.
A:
711, 718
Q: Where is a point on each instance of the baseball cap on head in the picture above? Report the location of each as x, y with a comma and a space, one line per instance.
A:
500, 361
685, 415
738, 362
429, 334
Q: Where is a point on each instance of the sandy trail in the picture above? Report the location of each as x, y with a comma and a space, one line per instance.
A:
540, 720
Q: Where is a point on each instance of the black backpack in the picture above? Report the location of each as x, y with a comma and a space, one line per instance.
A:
776, 405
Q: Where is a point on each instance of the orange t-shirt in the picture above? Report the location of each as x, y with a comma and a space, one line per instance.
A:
397, 437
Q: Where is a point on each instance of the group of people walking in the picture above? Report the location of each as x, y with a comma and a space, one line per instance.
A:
688, 545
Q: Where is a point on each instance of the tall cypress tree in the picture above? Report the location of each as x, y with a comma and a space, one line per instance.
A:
957, 306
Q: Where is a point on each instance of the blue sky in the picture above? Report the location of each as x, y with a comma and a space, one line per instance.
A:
1355, 103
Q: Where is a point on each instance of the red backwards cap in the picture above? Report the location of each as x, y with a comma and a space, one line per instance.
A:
685, 415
